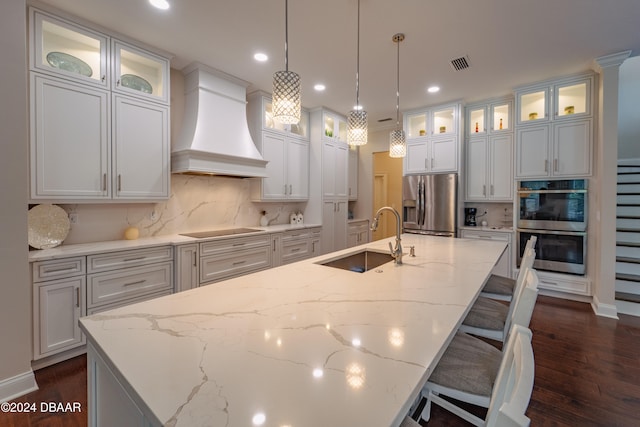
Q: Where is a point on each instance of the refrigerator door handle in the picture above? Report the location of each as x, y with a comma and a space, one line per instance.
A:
421, 195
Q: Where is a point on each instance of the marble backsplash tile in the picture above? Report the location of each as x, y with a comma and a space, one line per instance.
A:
197, 203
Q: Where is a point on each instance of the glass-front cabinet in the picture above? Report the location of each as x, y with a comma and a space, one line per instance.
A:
67, 50
416, 125
139, 73
489, 117
260, 113
564, 100
335, 126
444, 121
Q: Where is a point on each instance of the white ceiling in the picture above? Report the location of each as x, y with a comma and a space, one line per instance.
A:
508, 43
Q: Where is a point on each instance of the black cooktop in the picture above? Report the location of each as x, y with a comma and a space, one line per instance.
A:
218, 233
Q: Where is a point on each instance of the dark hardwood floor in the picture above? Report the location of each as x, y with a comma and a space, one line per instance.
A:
587, 374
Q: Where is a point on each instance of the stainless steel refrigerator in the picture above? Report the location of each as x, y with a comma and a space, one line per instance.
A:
429, 204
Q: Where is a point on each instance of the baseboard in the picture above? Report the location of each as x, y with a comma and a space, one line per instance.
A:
627, 307
17, 386
604, 310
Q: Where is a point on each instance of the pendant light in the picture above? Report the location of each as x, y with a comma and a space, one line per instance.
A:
397, 142
285, 101
357, 118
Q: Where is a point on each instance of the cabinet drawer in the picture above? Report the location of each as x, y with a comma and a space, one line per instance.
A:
577, 285
487, 235
234, 244
218, 267
58, 268
102, 308
295, 235
133, 258
121, 285
295, 250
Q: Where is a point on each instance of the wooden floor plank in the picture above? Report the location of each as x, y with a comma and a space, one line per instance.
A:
587, 375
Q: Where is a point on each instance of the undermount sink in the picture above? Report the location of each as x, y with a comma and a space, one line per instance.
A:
360, 262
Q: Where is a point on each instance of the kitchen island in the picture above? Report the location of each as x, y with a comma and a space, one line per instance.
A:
299, 345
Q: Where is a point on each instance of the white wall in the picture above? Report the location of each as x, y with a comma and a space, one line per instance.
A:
15, 296
628, 111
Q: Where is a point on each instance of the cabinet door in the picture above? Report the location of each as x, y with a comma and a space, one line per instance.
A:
186, 267
533, 105
273, 150
70, 156
141, 143
57, 307
353, 173
297, 165
328, 215
532, 152
500, 171
572, 148
341, 170
140, 73
477, 164
340, 226
67, 50
416, 159
444, 155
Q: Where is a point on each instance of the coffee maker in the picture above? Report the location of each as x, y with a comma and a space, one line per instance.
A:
470, 217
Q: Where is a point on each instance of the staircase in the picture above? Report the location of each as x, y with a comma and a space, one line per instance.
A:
628, 239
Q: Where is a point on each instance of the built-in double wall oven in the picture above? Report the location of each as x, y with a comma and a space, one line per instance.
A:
555, 212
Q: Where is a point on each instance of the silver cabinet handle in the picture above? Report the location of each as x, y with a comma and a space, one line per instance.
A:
484, 190
195, 259
77, 297
238, 263
432, 163
104, 182
555, 165
134, 259
119, 182
425, 163
118, 82
138, 282
546, 165
491, 190
103, 78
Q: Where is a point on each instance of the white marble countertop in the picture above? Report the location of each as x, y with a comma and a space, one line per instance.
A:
302, 344
82, 249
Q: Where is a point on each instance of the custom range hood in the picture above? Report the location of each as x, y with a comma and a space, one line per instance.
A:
215, 138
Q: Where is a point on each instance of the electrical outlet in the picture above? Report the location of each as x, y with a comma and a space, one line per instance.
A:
73, 218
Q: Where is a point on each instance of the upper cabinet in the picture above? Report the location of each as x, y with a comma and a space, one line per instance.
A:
554, 131
335, 127
433, 138
139, 73
98, 111
285, 147
63, 49
489, 148
353, 172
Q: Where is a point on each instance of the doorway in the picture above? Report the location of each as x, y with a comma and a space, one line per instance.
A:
387, 191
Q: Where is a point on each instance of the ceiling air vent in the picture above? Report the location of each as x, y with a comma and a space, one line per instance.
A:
461, 63
384, 120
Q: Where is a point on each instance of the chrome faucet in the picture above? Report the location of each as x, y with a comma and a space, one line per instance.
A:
396, 252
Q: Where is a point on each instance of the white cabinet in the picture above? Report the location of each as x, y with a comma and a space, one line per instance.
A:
504, 265
296, 245
285, 147
335, 126
99, 109
353, 173
489, 148
554, 132
335, 165
358, 233
70, 140
334, 225
186, 266
140, 137
119, 278
432, 137
59, 288
225, 258
564, 283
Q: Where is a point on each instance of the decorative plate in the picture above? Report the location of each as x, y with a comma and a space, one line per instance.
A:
48, 226
67, 62
136, 82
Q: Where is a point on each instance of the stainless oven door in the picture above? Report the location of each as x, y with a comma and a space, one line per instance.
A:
558, 251
553, 210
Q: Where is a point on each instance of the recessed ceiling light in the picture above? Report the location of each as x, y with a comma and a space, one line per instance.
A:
261, 57
160, 4
319, 87
433, 89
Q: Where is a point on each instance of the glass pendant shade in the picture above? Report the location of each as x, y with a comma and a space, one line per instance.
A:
286, 97
357, 127
397, 144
